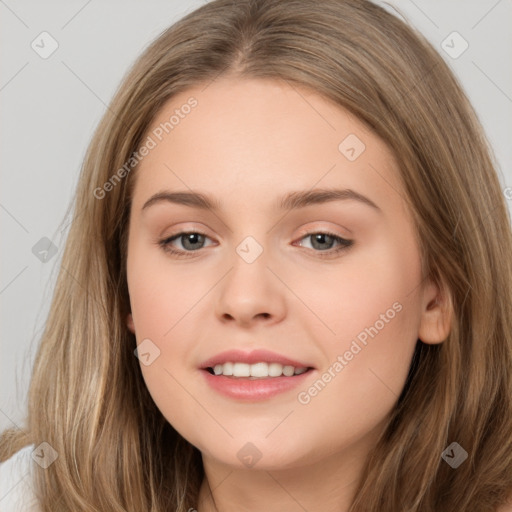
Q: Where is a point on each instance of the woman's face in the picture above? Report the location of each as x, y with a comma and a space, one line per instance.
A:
259, 276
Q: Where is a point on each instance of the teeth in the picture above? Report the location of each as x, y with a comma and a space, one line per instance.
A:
257, 370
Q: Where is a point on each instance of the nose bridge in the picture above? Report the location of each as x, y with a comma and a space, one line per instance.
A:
250, 290
249, 275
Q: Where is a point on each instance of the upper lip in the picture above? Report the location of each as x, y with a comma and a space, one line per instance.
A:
255, 356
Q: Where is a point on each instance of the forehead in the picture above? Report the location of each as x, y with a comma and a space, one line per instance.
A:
248, 140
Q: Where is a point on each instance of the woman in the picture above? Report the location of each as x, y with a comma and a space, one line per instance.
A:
272, 373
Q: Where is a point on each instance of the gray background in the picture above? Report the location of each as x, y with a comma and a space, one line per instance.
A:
51, 106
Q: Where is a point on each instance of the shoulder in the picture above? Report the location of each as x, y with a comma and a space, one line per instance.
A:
16, 473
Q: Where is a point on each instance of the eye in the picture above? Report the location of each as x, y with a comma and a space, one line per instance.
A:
190, 242
320, 239
193, 241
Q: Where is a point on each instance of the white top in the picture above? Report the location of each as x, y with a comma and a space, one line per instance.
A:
16, 494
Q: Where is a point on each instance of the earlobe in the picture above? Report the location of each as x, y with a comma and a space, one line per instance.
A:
436, 316
129, 323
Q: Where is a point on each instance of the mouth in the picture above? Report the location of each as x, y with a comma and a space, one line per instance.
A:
256, 371
256, 382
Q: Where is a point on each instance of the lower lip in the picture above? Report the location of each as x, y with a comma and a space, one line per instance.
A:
243, 388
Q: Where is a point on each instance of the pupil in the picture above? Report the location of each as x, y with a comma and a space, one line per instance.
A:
193, 236
318, 238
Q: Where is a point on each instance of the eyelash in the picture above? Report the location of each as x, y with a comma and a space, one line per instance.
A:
344, 244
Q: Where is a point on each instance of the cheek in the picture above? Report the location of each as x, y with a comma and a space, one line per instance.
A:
384, 328
167, 302
372, 309
162, 293
164, 312
373, 288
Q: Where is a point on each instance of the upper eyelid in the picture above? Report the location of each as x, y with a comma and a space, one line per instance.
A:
304, 232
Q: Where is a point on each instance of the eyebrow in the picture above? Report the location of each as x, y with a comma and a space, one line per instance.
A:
292, 201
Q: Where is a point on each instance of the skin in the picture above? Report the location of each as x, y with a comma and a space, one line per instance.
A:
248, 143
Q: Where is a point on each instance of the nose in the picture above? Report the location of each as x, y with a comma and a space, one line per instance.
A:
249, 294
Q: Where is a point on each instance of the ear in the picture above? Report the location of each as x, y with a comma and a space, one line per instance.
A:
436, 314
129, 323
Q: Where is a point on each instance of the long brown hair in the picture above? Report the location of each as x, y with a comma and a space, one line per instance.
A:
87, 396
